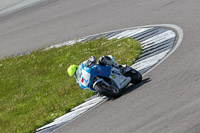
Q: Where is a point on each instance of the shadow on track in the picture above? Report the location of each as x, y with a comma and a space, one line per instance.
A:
132, 87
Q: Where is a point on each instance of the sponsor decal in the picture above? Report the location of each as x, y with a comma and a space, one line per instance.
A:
84, 80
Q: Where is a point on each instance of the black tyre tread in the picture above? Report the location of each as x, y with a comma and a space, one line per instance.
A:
136, 78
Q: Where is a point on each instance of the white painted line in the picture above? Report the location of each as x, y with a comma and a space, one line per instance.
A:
179, 36
128, 33
71, 42
8, 6
158, 38
77, 111
149, 61
90, 102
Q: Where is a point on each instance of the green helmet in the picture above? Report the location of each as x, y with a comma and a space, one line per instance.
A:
72, 69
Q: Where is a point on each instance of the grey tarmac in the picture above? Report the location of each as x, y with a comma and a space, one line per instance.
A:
168, 103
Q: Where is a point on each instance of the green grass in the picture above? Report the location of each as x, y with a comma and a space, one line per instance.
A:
35, 89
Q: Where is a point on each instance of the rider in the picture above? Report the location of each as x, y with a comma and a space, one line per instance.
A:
104, 60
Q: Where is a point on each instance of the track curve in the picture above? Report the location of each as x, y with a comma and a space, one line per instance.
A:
158, 42
168, 103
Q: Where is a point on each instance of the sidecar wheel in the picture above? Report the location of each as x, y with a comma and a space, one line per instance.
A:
103, 89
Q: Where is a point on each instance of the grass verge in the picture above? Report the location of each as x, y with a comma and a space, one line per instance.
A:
35, 89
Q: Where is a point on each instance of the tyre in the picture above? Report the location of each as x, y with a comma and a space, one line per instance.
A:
109, 91
136, 77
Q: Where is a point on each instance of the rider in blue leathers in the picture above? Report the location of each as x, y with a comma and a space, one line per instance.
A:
76, 71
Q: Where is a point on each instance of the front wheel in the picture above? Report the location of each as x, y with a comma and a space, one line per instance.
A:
109, 91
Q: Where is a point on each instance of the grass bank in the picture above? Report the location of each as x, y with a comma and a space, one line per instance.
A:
35, 89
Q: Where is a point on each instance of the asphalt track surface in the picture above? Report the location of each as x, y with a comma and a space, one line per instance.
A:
168, 102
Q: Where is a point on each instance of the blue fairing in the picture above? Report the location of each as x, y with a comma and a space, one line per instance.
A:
86, 75
103, 71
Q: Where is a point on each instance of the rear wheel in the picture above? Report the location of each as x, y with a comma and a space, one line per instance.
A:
136, 77
109, 91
